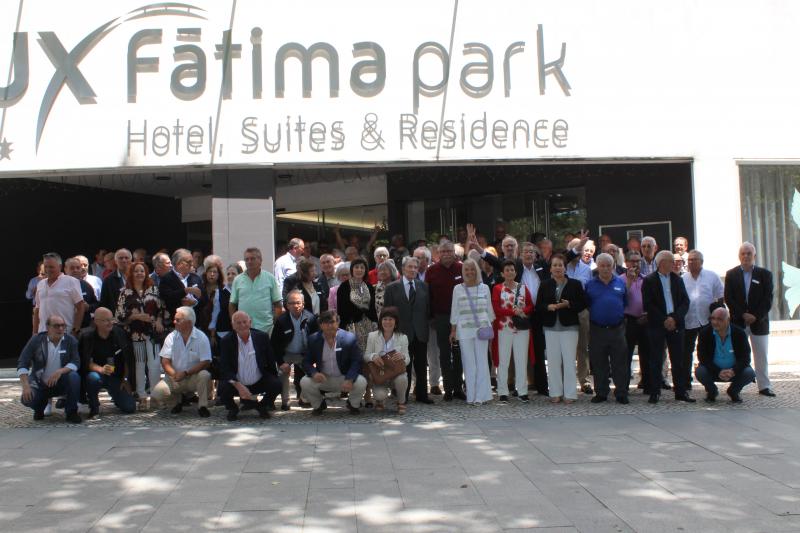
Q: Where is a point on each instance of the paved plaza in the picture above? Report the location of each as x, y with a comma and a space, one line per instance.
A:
590, 468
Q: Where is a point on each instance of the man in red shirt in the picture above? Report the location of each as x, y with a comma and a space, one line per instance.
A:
441, 278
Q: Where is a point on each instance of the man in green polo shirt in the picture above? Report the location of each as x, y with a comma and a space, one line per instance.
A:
256, 292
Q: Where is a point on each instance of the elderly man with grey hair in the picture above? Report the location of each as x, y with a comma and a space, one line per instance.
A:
666, 303
724, 355
606, 296
115, 282
185, 358
649, 249
162, 264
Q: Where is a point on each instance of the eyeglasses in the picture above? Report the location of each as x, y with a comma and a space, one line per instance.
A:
58, 326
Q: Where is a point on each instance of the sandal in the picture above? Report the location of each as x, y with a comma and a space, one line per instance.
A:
401, 408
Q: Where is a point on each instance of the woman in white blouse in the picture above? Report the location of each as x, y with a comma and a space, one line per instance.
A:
388, 340
472, 310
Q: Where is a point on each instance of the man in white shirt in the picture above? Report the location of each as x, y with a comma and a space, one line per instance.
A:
95, 282
185, 358
58, 294
286, 265
704, 288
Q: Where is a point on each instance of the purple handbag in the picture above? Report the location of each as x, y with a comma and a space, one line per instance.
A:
485, 333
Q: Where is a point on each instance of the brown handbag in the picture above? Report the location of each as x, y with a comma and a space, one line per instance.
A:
391, 369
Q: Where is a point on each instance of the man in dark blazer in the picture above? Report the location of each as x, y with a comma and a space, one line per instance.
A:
724, 355
410, 296
247, 368
41, 381
333, 364
114, 282
180, 286
748, 295
666, 303
289, 343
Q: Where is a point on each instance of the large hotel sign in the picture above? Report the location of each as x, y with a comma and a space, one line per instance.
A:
100, 84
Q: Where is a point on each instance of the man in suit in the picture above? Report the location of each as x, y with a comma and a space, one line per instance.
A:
180, 286
247, 368
114, 282
289, 344
333, 364
48, 366
666, 303
724, 355
748, 295
410, 296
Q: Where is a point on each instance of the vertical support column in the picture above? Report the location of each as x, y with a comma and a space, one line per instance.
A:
243, 213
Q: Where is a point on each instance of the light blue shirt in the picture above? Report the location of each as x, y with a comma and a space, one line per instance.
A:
723, 351
748, 277
665, 286
297, 344
580, 271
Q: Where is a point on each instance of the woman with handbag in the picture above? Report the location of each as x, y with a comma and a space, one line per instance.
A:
387, 354
141, 312
512, 304
355, 303
471, 318
559, 301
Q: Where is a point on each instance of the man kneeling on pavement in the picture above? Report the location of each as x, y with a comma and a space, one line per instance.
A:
248, 368
333, 364
724, 355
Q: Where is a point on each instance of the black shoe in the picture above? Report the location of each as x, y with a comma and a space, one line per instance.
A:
711, 396
285, 407
248, 405
369, 405
301, 403
436, 391
623, 400
218, 402
61, 403
587, 389
640, 385
448, 397
73, 418
38, 415
322, 407
503, 399
666, 386
424, 400
233, 416
203, 412
653, 398
93, 413
353, 410
177, 409
263, 411
684, 398
598, 399
766, 392
524, 398
342, 395
460, 395
734, 396
514, 394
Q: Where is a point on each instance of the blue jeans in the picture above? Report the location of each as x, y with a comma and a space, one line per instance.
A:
68, 385
122, 398
738, 382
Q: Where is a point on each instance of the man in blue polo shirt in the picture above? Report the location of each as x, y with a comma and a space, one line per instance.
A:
606, 296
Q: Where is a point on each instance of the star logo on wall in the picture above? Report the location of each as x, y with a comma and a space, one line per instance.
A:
5, 149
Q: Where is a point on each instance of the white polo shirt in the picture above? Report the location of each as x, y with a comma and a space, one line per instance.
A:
185, 355
60, 299
704, 290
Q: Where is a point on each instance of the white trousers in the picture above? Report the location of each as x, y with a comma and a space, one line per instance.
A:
400, 384
760, 347
476, 370
518, 342
147, 358
434, 367
561, 379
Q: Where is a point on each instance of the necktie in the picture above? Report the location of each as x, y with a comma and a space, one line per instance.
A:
412, 293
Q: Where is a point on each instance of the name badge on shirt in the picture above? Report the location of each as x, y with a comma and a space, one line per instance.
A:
288, 331
755, 281
62, 351
118, 352
338, 349
618, 289
457, 278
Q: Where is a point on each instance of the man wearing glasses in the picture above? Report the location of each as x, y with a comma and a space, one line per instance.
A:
48, 367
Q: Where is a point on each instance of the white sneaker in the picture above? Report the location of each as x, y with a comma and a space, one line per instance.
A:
48, 410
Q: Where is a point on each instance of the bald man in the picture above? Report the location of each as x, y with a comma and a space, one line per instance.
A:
724, 355
107, 362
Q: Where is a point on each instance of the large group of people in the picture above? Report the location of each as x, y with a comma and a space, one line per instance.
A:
461, 319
